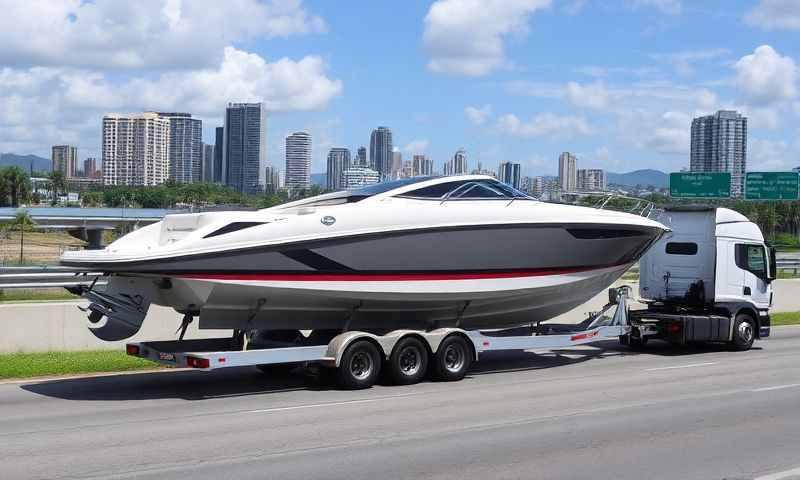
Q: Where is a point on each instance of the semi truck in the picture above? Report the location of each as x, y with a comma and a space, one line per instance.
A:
706, 280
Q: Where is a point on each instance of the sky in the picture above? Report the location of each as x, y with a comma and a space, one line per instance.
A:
616, 82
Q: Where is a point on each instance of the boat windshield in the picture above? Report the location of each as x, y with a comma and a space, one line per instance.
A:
355, 194
483, 189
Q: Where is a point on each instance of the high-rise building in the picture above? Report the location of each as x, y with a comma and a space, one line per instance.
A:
217, 175
135, 149
338, 162
719, 144
361, 158
355, 177
298, 161
90, 168
185, 147
537, 186
421, 166
65, 160
207, 164
567, 172
397, 163
380, 151
244, 154
592, 180
510, 174
272, 180
458, 164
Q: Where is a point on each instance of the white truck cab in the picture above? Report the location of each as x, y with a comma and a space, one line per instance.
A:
714, 261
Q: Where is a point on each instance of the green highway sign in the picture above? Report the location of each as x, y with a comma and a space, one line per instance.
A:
771, 186
700, 185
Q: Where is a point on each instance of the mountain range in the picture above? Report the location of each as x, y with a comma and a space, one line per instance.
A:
644, 177
24, 162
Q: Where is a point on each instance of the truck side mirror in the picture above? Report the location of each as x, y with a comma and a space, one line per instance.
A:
773, 264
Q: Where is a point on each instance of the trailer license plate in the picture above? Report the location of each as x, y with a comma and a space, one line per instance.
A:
167, 357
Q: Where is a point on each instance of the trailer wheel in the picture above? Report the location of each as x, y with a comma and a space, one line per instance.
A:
360, 365
452, 359
408, 363
744, 332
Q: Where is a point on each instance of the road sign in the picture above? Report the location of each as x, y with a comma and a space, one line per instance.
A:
700, 185
771, 186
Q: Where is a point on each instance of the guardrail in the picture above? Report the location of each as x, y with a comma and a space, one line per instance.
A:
46, 277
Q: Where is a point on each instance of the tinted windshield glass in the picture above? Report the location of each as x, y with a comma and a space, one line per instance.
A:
377, 188
466, 189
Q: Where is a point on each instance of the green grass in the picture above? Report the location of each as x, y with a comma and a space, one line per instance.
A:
21, 295
27, 365
785, 318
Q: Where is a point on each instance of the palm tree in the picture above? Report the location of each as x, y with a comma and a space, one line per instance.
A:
58, 183
16, 183
22, 222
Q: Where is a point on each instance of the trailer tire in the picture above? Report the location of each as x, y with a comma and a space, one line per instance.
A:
408, 363
360, 365
453, 359
744, 328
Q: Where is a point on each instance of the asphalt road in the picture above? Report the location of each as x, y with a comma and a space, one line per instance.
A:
594, 412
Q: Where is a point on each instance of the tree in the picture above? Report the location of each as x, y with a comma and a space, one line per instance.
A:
22, 222
14, 183
58, 183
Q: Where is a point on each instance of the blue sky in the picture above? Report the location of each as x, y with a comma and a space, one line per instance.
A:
616, 81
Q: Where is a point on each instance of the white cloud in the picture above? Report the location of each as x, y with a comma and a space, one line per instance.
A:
683, 62
466, 36
417, 146
770, 155
775, 14
478, 115
41, 106
670, 7
593, 95
545, 124
599, 96
146, 34
766, 77
666, 133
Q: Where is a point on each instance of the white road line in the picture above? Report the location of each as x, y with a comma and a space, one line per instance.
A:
776, 387
329, 404
795, 472
691, 365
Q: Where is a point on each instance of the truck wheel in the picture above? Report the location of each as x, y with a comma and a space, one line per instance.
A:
452, 359
744, 332
408, 363
360, 365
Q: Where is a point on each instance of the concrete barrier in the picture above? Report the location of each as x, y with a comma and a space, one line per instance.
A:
60, 326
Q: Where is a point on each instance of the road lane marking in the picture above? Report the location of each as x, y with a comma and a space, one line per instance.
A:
776, 387
675, 367
795, 472
329, 404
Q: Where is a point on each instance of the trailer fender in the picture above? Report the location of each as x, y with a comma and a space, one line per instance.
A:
339, 344
436, 337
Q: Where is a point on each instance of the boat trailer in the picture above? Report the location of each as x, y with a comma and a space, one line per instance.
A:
449, 350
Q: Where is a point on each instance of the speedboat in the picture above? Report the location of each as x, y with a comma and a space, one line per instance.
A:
427, 252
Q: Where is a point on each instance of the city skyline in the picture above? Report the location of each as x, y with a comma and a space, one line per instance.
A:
504, 95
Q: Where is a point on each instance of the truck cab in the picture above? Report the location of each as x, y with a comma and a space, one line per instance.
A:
714, 262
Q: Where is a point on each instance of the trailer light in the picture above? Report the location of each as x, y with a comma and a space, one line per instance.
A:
195, 362
221, 359
132, 350
674, 328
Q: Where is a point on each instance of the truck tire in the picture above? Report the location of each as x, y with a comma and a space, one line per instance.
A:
744, 332
360, 365
452, 359
408, 362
